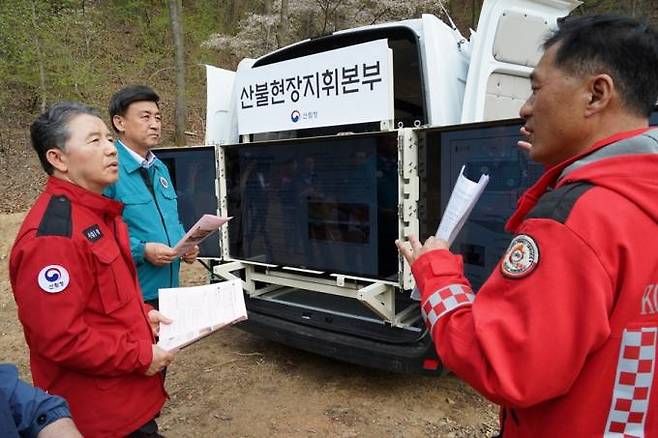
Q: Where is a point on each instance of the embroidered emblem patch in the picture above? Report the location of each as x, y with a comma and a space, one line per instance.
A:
521, 258
53, 278
93, 233
164, 182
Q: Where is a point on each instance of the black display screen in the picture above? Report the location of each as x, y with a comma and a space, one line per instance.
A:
483, 148
489, 149
192, 171
326, 204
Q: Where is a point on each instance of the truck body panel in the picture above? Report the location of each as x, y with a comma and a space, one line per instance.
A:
316, 210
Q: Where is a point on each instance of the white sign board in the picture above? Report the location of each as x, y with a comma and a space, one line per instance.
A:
338, 87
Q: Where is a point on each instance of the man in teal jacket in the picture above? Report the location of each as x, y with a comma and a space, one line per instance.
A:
146, 189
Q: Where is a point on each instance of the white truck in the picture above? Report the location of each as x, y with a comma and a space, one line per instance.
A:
326, 151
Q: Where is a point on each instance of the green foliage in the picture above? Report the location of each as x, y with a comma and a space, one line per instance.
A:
90, 48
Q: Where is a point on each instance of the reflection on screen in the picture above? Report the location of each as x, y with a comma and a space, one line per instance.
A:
339, 221
192, 171
490, 150
323, 204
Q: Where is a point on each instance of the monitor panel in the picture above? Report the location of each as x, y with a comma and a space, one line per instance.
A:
326, 204
193, 171
489, 149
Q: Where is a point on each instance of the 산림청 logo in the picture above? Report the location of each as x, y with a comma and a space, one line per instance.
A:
53, 278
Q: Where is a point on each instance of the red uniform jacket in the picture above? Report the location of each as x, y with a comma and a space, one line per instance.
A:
81, 308
563, 333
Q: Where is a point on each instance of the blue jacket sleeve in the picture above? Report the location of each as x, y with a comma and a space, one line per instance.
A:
137, 250
31, 408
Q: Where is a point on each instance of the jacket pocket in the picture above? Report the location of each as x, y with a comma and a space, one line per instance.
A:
137, 199
169, 210
169, 193
112, 295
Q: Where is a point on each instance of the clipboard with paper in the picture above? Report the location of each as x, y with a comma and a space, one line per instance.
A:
199, 311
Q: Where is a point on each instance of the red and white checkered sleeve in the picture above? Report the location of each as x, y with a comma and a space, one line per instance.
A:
441, 302
635, 374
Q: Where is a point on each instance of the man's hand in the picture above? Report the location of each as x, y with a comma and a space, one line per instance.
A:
155, 318
158, 254
411, 255
190, 256
161, 359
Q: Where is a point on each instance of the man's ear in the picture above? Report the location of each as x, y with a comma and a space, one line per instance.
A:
58, 159
118, 121
602, 91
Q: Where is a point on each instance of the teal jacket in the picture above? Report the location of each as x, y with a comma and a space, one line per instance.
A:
150, 218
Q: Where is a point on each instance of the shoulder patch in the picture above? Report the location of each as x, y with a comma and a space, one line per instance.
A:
56, 220
521, 257
93, 233
53, 278
557, 204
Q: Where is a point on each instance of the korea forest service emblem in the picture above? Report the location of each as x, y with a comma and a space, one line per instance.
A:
521, 258
53, 278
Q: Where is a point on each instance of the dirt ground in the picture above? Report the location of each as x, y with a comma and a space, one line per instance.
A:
233, 384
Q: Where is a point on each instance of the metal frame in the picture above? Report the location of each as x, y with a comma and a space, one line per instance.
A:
377, 295
222, 201
407, 196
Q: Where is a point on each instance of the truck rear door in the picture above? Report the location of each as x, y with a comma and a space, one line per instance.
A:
504, 50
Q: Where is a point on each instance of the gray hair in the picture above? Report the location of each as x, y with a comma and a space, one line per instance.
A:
50, 130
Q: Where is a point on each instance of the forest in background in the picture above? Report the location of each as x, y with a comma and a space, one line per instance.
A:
86, 49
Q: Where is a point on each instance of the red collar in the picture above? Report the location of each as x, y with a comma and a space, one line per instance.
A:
82, 196
548, 179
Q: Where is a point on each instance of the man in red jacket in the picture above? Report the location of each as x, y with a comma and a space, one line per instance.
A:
563, 334
90, 336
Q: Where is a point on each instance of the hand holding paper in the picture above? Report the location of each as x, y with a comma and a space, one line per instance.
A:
463, 198
198, 311
200, 231
155, 319
191, 255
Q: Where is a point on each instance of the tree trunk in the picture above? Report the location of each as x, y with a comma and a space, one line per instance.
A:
42, 70
175, 8
282, 33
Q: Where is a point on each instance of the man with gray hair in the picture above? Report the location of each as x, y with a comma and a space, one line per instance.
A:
91, 338
564, 333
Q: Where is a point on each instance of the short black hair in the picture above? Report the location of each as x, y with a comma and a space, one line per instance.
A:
122, 99
622, 47
50, 130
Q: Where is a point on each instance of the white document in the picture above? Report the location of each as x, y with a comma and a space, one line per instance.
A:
463, 198
198, 311
200, 231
